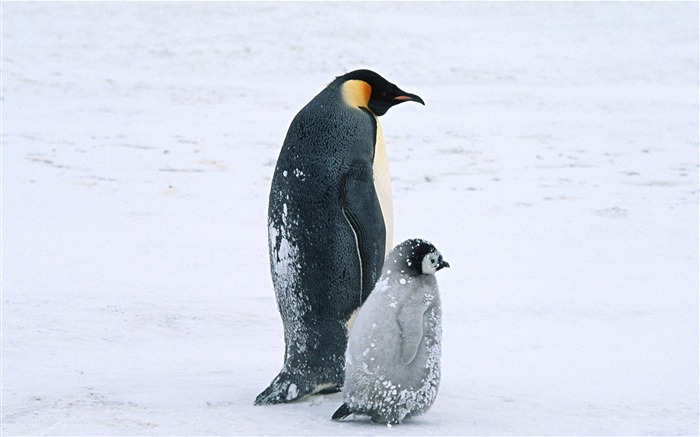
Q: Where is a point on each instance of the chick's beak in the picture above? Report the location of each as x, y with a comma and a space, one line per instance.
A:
442, 265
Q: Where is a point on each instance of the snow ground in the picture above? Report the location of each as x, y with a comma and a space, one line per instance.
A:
555, 166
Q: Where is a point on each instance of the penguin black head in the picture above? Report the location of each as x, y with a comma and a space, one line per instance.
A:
365, 88
416, 257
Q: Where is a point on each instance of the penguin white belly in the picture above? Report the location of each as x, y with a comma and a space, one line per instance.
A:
382, 185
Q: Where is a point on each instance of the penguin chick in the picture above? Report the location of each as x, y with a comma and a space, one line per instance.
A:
392, 362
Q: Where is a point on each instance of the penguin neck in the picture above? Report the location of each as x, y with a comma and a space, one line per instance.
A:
356, 93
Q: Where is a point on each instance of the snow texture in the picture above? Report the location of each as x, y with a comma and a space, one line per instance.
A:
555, 165
285, 270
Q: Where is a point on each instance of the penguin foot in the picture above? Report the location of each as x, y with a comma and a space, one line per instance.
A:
284, 389
281, 390
341, 413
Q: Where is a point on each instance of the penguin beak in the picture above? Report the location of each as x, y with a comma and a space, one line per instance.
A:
380, 104
404, 97
442, 265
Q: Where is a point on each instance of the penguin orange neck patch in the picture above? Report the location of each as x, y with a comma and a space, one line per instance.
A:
356, 93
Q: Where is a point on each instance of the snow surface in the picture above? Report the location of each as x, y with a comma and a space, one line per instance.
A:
555, 165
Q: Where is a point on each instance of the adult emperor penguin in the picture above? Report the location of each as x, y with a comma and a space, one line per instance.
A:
392, 367
329, 223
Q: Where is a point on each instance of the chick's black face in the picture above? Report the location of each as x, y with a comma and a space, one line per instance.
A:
384, 93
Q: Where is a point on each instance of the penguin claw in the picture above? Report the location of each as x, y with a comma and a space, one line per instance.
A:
272, 397
280, 391
268, 397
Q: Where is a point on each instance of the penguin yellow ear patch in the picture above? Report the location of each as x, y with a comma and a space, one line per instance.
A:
356, 93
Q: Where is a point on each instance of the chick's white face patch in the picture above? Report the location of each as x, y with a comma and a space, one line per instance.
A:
431, 263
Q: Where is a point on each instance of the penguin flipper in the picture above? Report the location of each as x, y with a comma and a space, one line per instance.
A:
341, 413
363, 212
411, 334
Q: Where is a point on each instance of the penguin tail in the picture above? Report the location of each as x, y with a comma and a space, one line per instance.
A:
341, 413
